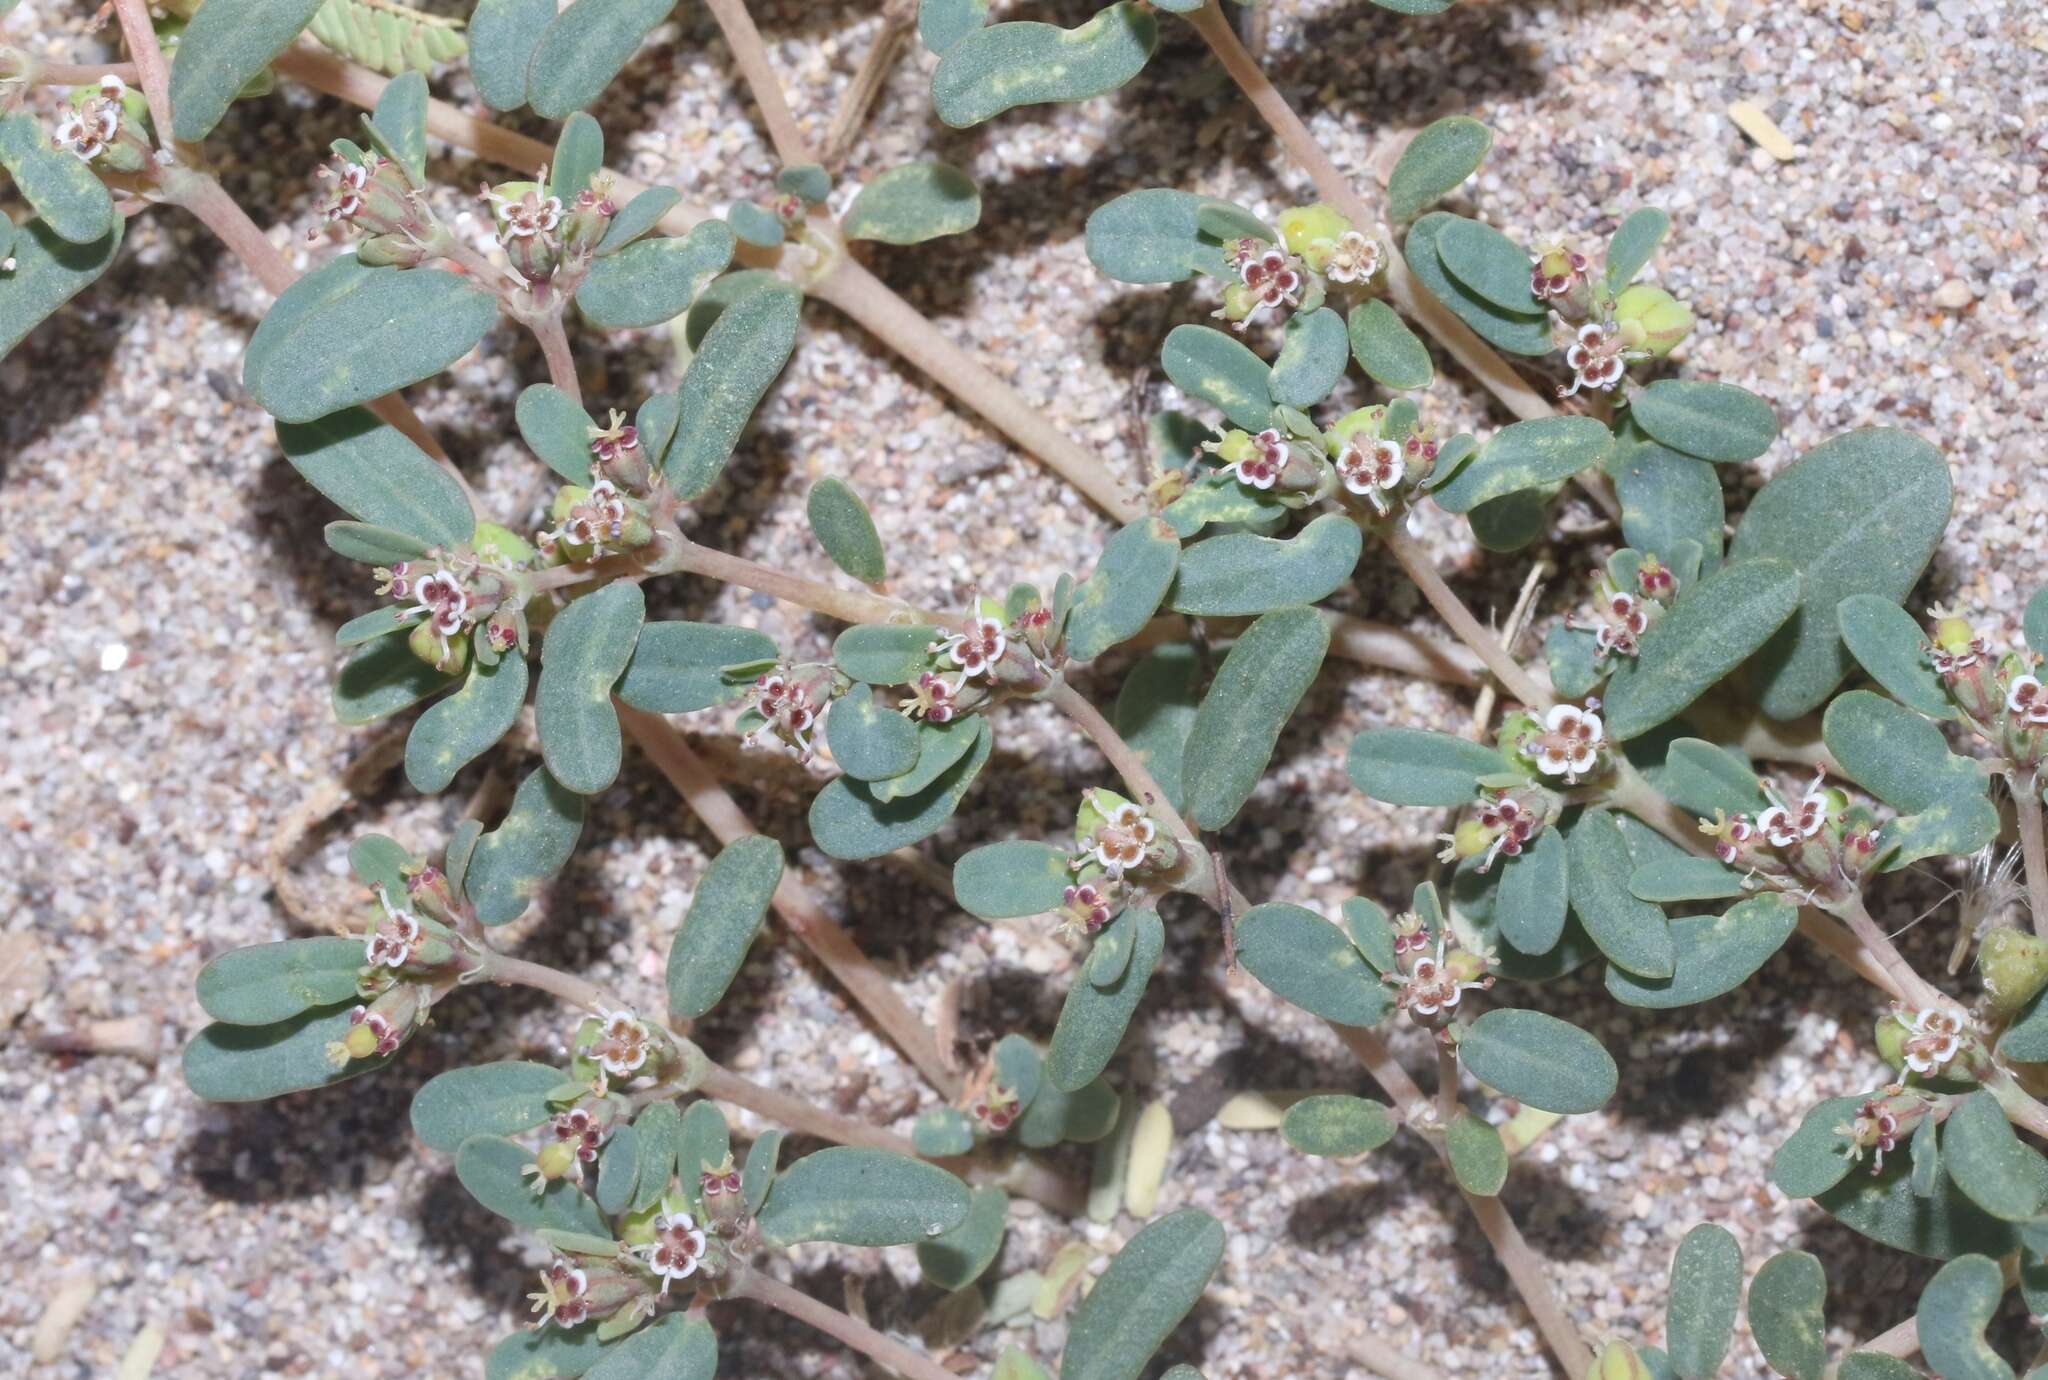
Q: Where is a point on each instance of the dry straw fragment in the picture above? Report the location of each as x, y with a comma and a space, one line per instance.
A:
1762, 130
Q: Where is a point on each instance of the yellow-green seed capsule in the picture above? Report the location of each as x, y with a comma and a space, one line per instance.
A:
1309, 229
1618, 1361
2015, 966
1652, 319
1891, 1041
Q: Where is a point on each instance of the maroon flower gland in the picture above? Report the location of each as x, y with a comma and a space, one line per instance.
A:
995, 1109
1569, 744
1428, 985
1883, 1121
1620, 619
723, 1189
1958, 656
975, 651
1558, 276
1374, 469
105, 126
377, 1030
1124, 839
1504, 824
1356, 257
787, 713
394, 938
678, 1250
572, 1293
1806, 847
1597, 358
583, 1131
623, 1046
1087, 906
1656, 580
529, 224
933, 698
1268, 278
1935, 1037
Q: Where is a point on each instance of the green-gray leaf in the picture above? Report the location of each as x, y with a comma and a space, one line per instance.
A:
1668, 499
552, 1353
1116, 602
869, 741
1888, 644
502, 37
1216, 367
739, 357
844, 528
1989, 1163
348, 334
1634, 242
1895, 754
1337, 1124
1311, 358
49, 271
1525, 455
1711, 421
1479, 1158
400, 122
62, 189
1153, 235
1815, 1157
225, 44
500, 1099
510, 864
1239, 573
1489, 264
1706, 1294
1955, 1308
1884, 1208
1414, 766
463, 726
1434, 163
1504, 330
1787, 1314
679, 667
555, 428
849, 822
248, 1063
1668, 881
267, 983
939, 746
1534, 889
1859, 514
583, 48
1710, 630
724, 916
985, 72
1000, 881
671, 1348
942, 23
655, 280
372, 472
1268, 670
861, 1197
381, 679
1386, 349
585, 652
493, 1169
1155, 711
1140, 1299
1631, 932
942, 1132
914, 203
371, 545
1703, 778
1543, 1061
638, 216
1308, 961
958, 1257
885, 653
1093, 1021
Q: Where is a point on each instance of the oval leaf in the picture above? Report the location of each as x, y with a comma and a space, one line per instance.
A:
1711, 954
349, 334
1710, 421
987, 71
679, 667
1000, 881
1787, 1315
248, 1063
267, 983
1216, 367
493, 1169
1414, 766
500, 1099
1305, 959
1386, 349
1631, 932
1706, 633
1311, 358
1955, 1308
850, 822
583, 48
1534, 894
1888, 643
1269, 668
1479, 1158
463, 726
724, 916
1093, 1021
1860, 514
511, 863
1153, 235
1504, 330
1706, 1293
861, 1197
1525, 455
1489, 264
1153, 1282
869, 741
1239, 573
1989, 1163
655, 280
225, 45
914, 203
1337, 1124
1117, 601
1550, 1064
728, 376
372, 472
49, 271
846, 530
584, 654
1434, 163
62, 189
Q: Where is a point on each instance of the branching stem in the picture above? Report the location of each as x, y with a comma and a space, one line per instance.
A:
752, 56
1123, 757
151, 71
1449, 607
806, 919
886, 1351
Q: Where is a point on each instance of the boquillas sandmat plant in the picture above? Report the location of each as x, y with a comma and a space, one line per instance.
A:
1616, 812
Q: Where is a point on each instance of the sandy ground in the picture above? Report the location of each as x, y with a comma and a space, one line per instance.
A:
166, 652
